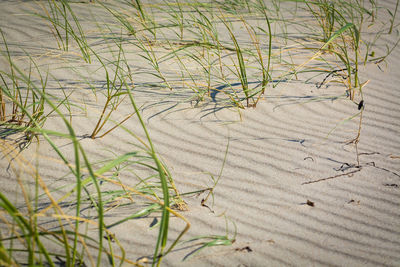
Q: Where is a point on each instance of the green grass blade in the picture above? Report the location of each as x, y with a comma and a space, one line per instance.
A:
337, 34
163, 232
242, 74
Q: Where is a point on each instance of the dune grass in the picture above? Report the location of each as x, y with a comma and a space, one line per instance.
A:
26, 233
60, 15
225, 52
30, 234
393, 15
210, 39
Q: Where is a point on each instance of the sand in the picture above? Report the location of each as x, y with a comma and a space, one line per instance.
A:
288, 184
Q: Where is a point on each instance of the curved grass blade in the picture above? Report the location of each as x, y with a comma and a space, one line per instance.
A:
242, 74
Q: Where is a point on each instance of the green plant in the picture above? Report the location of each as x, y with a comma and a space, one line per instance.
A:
393, 15
266, 71
177, 16
241, 69
59, 14
85, 175
216, 180
324, 12
213, 240
21, 106
26, 234
341, 24
114, 92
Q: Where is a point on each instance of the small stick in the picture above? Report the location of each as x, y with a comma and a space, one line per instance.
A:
332, 177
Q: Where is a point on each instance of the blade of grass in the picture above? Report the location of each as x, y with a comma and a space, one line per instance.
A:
242, 74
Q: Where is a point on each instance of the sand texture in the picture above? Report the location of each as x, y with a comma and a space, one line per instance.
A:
290, 182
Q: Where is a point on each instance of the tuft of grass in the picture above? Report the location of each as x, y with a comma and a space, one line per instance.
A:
18, 97
27, 231
241, 70
114, 92
213, 240
85, 176
324, 13
59, 14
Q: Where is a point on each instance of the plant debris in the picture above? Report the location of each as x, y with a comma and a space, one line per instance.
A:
245, 249
361, 105
310, 203
354, 201
391, 185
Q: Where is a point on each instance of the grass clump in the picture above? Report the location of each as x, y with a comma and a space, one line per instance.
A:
65, 25
71, 234
69, 242
21, 106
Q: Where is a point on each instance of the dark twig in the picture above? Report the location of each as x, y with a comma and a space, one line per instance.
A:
332, 177
332, 73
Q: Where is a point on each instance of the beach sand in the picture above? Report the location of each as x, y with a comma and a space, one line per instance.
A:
289, 184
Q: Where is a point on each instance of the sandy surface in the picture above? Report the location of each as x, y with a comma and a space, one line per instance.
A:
275, 150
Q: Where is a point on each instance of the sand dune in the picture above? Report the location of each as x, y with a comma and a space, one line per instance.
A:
292, 148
